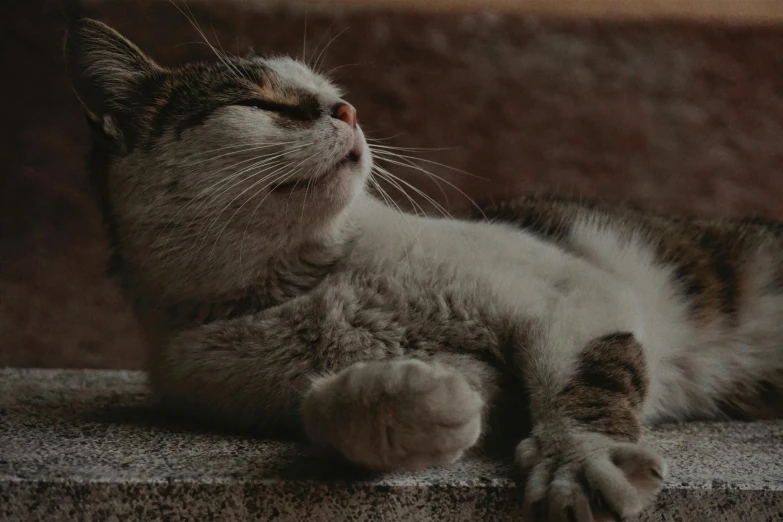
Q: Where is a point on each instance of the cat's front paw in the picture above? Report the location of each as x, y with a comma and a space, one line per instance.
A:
587, 477
395, 415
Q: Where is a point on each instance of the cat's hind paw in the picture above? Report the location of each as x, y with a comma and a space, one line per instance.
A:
587, 477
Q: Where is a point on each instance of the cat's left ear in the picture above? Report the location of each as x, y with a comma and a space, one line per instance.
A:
106, 71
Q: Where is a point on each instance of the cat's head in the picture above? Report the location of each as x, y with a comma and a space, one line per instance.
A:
201, 165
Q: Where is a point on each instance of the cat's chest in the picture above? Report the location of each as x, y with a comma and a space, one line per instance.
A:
521, 270
482, 248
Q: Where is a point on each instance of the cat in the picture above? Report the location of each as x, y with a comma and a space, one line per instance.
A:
278, 294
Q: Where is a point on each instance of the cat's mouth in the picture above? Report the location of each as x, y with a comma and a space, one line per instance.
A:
351, 158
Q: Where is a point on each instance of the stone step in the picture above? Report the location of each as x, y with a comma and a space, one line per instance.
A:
85, 445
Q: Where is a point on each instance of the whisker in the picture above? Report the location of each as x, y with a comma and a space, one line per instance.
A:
251, 187
259, 160
233, 153
415, 206
312, 178
227, 205
268, 163
369, 139
410, 149
250, 219
304, 200
391, 203
331, 71
386, 174
227, 56
446, 214
209, 189
443, 192
317, 63
192, 19
279, 164
375, 150
280, 179
321, 40
187, 227
239, 145
411, 165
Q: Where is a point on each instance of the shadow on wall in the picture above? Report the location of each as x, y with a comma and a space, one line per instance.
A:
679, 116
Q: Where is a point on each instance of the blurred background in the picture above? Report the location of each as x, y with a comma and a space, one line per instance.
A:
675, 105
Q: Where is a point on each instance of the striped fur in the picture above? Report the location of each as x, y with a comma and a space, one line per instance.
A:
608, 387
719, 267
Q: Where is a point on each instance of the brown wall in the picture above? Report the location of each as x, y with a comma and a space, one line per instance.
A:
683, 116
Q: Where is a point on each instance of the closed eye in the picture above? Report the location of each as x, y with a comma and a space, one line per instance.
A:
295, 112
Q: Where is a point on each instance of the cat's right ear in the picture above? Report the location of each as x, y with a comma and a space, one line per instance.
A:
106, 71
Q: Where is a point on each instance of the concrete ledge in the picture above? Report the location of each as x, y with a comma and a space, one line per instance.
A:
82, 445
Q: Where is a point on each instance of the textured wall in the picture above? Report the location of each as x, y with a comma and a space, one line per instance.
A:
679, 116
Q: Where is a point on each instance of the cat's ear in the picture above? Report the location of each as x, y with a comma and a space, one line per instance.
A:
105, 69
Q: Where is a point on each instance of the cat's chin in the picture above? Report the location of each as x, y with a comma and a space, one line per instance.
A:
347, 167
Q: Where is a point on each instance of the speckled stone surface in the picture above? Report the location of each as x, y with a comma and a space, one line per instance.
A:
85, 445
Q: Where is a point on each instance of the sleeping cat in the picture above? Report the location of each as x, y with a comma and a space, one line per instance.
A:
278, 294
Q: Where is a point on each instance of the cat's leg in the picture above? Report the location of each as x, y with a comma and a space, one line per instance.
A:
583, 459
351, 392
398, 414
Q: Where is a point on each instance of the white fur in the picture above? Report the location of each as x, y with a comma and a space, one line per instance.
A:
615, 284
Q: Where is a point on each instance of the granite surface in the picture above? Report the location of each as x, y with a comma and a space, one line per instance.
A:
87, 445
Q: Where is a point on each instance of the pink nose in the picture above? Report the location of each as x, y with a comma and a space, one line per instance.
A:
345, 112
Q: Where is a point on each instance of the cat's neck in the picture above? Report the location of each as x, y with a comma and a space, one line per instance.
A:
273, 280
366, 229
